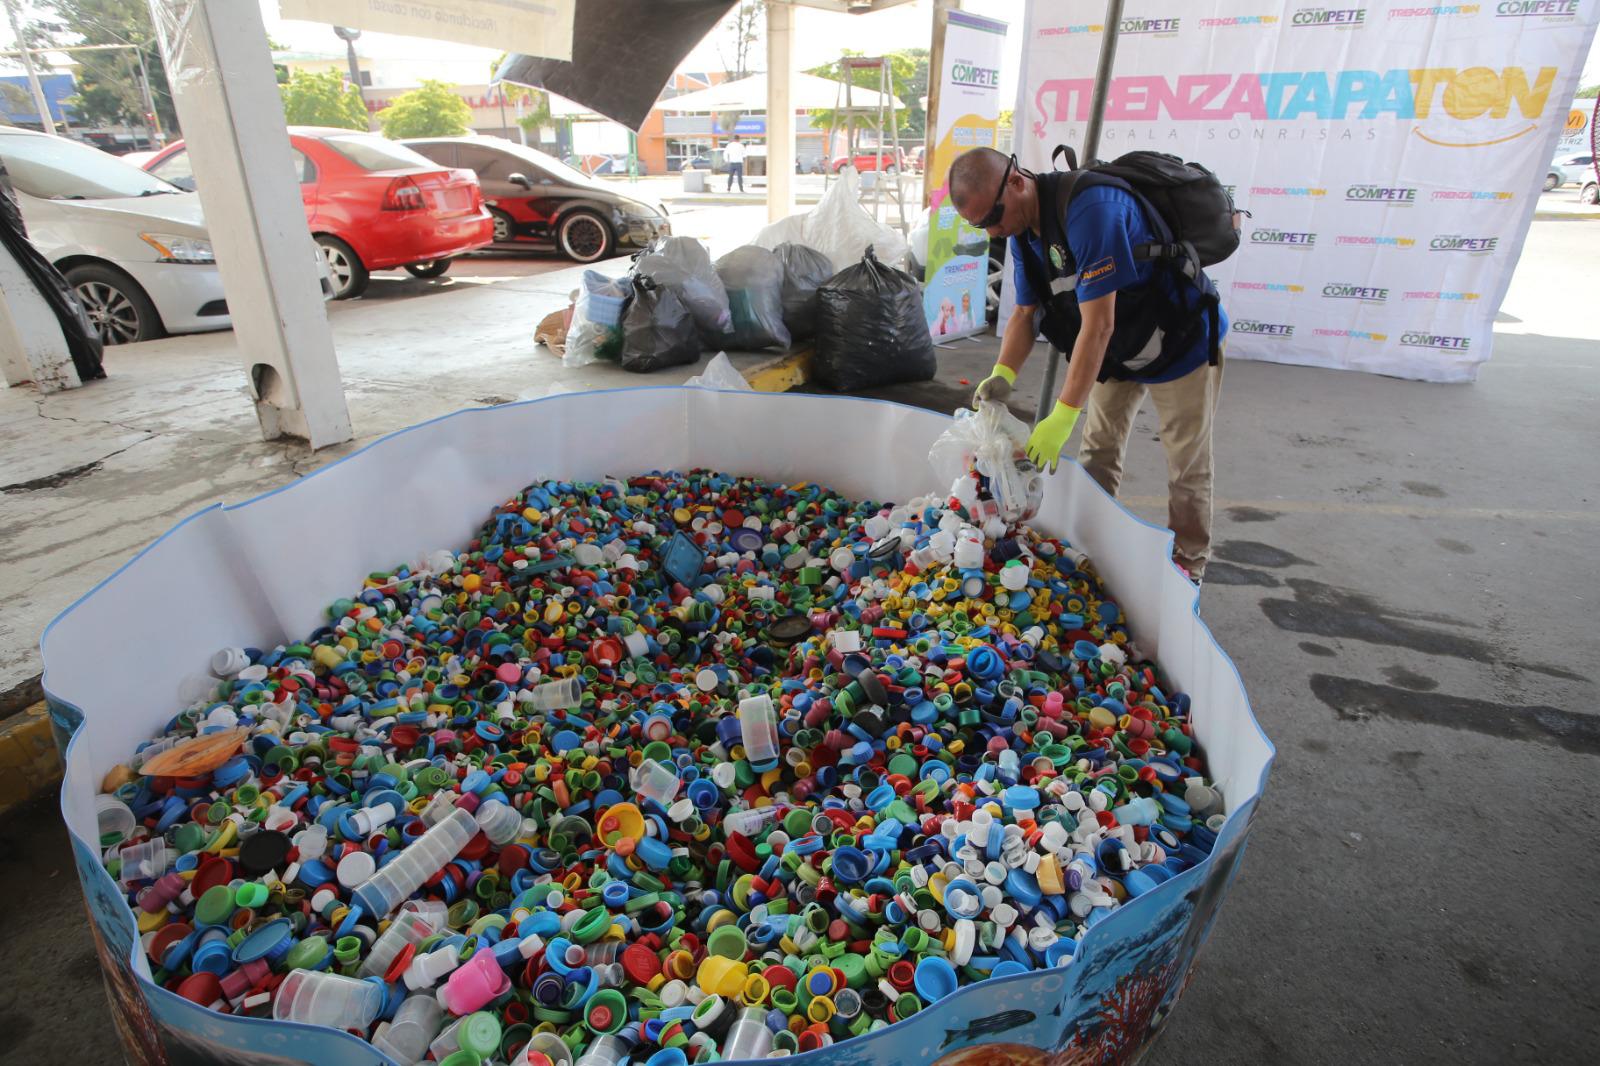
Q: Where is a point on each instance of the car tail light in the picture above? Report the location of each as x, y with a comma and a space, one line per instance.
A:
403, 195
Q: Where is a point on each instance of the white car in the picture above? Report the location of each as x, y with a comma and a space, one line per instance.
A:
1570, 169
134, 247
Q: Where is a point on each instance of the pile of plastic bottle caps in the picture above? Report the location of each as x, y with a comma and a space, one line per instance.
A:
682, 769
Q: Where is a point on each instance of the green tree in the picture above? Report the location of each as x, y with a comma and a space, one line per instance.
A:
434, 110
109, 90
322, 100
908, 73
536, 114
1589, 92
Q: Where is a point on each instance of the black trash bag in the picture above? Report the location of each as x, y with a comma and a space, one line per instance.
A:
871, 330
804, 271
754, 280
83, 343
657, 329
683, 265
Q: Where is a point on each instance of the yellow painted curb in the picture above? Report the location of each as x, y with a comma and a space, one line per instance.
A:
29, 764
783, 374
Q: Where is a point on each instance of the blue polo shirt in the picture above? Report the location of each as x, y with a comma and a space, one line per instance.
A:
1104, 225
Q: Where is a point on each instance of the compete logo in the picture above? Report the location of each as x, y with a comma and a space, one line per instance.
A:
1453, 107
1376, 242
1154, 27
1362, 293
1470, 194
1436, 11
1287, 190
1283, 238
1239, 20
1473, 245
1353, 334
1267, 286
1422, 294
1380, 194
1345, 17
1262, 329
964, 73
1435, 340
1065, 31
1555, 10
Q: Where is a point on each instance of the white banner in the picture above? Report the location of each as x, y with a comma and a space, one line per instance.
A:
1391, 155
533, 27
957, 281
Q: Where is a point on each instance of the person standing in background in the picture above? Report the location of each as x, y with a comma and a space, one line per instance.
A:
734, 154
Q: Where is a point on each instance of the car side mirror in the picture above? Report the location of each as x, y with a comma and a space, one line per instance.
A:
520, 179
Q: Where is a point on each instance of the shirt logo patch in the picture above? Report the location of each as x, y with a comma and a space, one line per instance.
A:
1056, 259
1104, 268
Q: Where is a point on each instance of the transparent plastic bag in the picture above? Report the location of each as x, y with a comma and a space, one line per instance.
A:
720, 373
596, 331
838, 227
754, 280
982, 458
683, 265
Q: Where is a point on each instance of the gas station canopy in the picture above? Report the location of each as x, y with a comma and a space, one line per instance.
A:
810, 93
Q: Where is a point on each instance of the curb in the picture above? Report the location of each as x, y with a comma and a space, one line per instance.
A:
1562, 216
29, 763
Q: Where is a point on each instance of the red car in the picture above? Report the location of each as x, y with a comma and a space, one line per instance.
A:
372, 204
887, 158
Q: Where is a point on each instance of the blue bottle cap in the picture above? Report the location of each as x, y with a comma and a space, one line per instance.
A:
270, 939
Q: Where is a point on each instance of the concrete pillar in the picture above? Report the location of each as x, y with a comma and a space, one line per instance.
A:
780, 109
227, 98
32, 347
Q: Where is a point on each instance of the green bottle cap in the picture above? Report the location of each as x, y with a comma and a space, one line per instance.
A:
215, 906
479, 1034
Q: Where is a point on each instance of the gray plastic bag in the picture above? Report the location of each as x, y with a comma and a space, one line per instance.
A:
804, 271
754, 280
683, 265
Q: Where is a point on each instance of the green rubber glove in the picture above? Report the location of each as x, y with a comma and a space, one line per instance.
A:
995, 387
1050, 436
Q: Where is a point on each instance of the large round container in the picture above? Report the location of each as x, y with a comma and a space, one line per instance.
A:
261, 572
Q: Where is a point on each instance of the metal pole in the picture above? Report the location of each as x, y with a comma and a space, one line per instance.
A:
1102, 80
1091, 145
154, 121
39, 101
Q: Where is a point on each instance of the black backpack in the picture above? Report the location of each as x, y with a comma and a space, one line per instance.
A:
1194, 223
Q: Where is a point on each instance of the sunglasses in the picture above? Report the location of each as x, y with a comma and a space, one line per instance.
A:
998, 211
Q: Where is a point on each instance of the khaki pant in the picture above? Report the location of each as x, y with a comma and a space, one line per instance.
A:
1186, 408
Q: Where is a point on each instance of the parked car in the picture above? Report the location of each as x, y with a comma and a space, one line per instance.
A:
890, 160
711, 161
134, 247
538, 201
1569, 170
372, 204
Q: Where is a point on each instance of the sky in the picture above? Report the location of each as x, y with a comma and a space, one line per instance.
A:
818, 35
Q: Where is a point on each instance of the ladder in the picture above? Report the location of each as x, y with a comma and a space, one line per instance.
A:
882, 118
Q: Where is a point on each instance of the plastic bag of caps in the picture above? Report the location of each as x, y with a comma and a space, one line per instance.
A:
754, 280
982, 458
683, 265
596, 331
871, 330
657, 329
805, 270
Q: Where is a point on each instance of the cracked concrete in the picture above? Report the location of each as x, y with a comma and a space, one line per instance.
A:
89, 476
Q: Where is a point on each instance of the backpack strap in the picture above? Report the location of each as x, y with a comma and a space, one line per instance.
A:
1062, 150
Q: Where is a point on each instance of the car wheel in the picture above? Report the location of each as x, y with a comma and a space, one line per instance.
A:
1551, 182
345, 268
1590, 194
503, 227
584, 237
118, 309
433, 268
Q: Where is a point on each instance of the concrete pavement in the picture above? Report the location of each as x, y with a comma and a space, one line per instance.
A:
1404, 575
